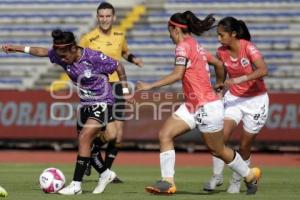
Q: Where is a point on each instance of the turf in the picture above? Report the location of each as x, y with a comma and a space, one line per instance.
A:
21, 182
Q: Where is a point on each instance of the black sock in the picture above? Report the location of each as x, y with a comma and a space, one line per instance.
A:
111, 153
97, 162
100, 141
81, 165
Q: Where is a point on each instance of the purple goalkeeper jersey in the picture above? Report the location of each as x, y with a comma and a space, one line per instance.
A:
90, 75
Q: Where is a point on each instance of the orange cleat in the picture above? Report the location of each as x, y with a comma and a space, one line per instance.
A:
161, 188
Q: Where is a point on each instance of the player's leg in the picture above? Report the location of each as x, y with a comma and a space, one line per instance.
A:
85, 138
179, 123
218, 164
113, 146
255, 111
246, 142
232, 118
102, 138
233, 159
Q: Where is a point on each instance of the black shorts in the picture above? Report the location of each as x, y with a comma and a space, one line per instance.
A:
100, 112
119, 105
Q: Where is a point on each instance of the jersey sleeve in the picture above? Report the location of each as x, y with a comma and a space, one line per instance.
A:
55, 59
208, 55
253, 53
181, 54
106, 64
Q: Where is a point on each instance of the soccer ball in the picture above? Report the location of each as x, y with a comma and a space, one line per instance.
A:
52, 180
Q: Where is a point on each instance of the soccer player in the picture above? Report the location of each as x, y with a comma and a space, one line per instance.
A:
202, 107
111, 41
88, 70
246, 100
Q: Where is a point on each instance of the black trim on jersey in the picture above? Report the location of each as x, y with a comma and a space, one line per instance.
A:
180, 60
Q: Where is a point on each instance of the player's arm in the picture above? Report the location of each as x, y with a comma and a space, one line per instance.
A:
260, 71
176, 75
257, 60
122, 74
35, 51
132, 58
220, 73
219, 70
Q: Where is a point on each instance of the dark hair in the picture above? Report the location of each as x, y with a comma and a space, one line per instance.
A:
231, 24
189, 23
63, 39
106, 5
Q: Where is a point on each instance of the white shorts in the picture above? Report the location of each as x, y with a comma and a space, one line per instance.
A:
209, 118
253, 111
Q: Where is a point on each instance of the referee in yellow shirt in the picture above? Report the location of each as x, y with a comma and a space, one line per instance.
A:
112, 42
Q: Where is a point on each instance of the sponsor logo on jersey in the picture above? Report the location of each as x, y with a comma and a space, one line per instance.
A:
108, 43
118, 33
87, 63
245, 62
253, 50
87, 73
180, 51
94, 38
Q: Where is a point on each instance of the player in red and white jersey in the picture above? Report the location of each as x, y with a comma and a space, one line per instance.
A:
202, 108
246, 100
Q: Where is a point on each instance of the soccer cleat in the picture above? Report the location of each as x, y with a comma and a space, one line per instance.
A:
161, 187
117, 180
71, 189
234, 186
252, 186
103, 181
88, 170
215, 181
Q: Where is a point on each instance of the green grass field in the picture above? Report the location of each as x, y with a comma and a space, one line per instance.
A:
21, 182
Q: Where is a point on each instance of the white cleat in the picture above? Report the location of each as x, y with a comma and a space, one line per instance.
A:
71, 189
215, 181
234, 186
103, 181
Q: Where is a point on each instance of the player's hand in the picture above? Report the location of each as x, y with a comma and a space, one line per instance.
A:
139, 62
219, 89
8, 48
128, 98
228, 82
143, 86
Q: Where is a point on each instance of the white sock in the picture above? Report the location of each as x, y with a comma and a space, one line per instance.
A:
218, 166
167, 163
239, 166
105, 173
76, 183
235, 175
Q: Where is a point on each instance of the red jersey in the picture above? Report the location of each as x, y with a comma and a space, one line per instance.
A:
196, 83
240, 66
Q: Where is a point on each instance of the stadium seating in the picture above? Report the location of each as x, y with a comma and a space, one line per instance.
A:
31, 23
274, 28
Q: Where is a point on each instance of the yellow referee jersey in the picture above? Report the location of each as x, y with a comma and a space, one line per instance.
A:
112, 45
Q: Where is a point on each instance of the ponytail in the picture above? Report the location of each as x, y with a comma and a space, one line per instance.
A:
190, 23
231, 24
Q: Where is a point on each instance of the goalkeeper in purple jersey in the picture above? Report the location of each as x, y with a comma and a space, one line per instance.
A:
88, 70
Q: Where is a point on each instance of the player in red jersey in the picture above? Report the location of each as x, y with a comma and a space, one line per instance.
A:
246, 100
202, 108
